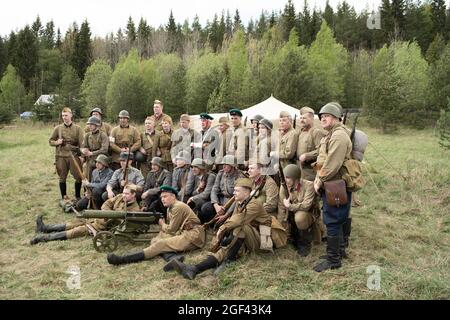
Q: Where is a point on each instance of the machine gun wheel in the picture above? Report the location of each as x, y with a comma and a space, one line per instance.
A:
105, 241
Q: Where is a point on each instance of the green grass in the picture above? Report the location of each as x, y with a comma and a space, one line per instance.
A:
403, 226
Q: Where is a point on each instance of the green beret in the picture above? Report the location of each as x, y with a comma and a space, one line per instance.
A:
235, 112
204, 115
166, 188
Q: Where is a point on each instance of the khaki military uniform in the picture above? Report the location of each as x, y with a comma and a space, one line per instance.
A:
224, 142
80, 229
105, 127
158, 121
182, 232
73, 139
98, 143
161, 148
304, 207
147, 142
123, 137
182, 140
239, 144
179, 180
210, 140
287, 147
308, 144
245, 224
268, 195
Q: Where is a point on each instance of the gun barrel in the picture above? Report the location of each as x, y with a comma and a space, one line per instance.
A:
111, 214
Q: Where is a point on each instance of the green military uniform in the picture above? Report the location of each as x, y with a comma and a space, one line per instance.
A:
308, 144
181, 233
104, 127
73, 139
147, 142
161, 148
117, 204
287, 146
98, 143
123, 137
268, 195
158, 121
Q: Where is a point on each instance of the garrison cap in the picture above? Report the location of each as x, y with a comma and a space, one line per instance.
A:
185, 117
124, 156
267, 123
206, 116
306, 110
235, 112
244, 182
132, 187
96, 109
66, 109
224, 120
285, 114
166, 188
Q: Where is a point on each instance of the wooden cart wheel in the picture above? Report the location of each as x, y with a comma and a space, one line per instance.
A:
105, 241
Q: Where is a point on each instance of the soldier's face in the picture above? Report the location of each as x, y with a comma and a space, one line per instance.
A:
99, 165
262, 130
327, 121
285, 123
92, 127
196, 171
205, 124
155, 167
157, 109
235, 120
227, 168
166, 126
128, 195
149, 125
123, 121
180, 163
223, 127
97, 115
289, 182
254, 170
167, 199
184, 124
67, 117
241, 193
255, 124
124, 162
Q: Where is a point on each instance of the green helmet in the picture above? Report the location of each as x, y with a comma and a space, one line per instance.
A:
94, 120
96, 109
292, 171
332, 109
229, 159
158, 161
103, 159
198, 162
124, 114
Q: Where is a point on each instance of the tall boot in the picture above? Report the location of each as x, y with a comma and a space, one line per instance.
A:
231, 256
342, 244
190, 271
78, 190
63, 189
130, 258
42, 227
347, 229
333, 260
304, 239
49, 237
168, 256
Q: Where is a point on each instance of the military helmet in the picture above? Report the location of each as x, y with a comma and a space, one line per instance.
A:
96, 109
257, 118
104, 160
198, 162
292, 171
229, 159
267, 123
332, 109
184, 155
124, 114
94, 120
158, 161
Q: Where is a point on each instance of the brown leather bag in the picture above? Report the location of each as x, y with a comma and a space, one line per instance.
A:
336, 193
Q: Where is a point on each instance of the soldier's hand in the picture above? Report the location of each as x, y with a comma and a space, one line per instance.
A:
110, 194
189, 200
142, 150
287, 203
59, 141
317, 186
161, 221
302, 158
123, 183
221, 219
85, 182
219, 209
144, 195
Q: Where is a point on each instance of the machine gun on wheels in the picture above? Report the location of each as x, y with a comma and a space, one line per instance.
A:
122, 226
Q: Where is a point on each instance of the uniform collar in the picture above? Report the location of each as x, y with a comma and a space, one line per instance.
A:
68, 126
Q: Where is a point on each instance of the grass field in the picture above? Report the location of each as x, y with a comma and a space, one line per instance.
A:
402, 226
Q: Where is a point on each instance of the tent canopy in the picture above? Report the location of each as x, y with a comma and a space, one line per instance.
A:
269, 109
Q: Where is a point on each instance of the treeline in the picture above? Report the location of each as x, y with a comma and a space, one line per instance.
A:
399, 74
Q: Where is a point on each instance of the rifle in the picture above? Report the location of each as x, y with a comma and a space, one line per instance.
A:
80, 173
228, 205
352, 135
295, 121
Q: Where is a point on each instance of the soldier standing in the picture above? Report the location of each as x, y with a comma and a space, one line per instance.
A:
124, 138
209, 140
334, 149
77, 229
288, 140
181, 233
95, 143
159, 116
163, 144
144, 155
185, 139
224, 141
239, 144
199, 185
67, 138
248, 229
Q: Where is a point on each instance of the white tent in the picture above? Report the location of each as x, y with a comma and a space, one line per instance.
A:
269, 109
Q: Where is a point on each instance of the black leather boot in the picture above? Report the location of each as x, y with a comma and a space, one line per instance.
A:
168, 256
77, 190
42, 227
63, 189
190, 271
231, 256
304, 242
49, 237
130, 258
333, 260
347, 229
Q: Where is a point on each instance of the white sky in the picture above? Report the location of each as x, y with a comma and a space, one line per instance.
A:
106, 16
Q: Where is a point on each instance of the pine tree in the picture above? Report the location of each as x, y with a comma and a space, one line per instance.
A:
261, 26
304, 29
172, 37
143, 38
273, 19
228, 26
37, 27
26, 56
438, 15
11, 47
48, 36
237, 24
435, 49
418, 24
387, 21
288, 19
131, 32
49, 71
82, 55
328, 15
3, 56
398, 14
58, 39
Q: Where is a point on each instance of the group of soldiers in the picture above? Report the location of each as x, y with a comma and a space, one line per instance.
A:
256, 188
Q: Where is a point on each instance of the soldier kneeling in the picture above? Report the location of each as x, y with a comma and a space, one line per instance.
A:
249, 228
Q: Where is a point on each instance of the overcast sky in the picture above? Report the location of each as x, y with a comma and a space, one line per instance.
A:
105, 16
